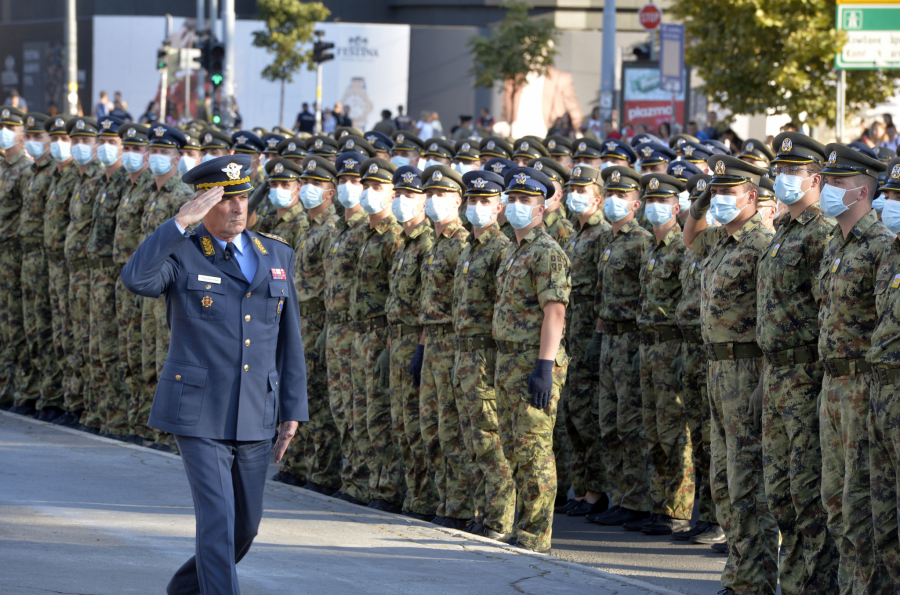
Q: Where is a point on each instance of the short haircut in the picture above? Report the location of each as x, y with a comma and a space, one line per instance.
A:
385, 113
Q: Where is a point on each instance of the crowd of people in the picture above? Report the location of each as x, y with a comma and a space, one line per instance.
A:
490, 325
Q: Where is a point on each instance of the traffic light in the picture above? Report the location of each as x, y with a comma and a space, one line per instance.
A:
162, 59
320, 53
216, 63
217, 118
203, 59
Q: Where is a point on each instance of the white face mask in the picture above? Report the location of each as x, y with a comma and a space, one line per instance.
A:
7, 138
108, 154
83, 154
348, 195
160, 165
207, 157
372, 201
405, 208
579, 202
480, 216
60, 150
439, 208
281, 198
133, 162
890, 215
34, 148
311, 196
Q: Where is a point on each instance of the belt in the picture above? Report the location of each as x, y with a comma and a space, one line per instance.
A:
580, 299
847, 367
435, 330
54, 254
371, 324
661, 335
806, 354
731, 351
101, 263
885, 376
312, 307
401, 330
475, 343
611, 327
691, 335
511, 347
338, 317
79, 264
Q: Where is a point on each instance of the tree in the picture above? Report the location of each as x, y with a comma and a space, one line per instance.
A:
515, 49
757, 55
289, 25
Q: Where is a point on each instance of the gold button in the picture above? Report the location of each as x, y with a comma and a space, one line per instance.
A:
177, 376
248, 294
247, 342
246, 367
282, 291
208, 286
247, 318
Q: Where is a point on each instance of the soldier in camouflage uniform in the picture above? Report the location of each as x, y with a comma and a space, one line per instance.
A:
787, 331
372, 426
728, 326
653, 157
500, 166
528, 327
848, 282
618, 304
474, 295
448, 459
402, 311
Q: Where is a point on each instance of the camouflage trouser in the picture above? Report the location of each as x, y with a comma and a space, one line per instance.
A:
355, 473
16, 369
421, 493
792, 465
112, 397
79, 355
563, 450
741, 502
128, 318
448, 457
37, 317
844, 438
58, 276
696, 403
622, 424
580, 406
527, 437
323, 446
668, 432
476, 399
884, 453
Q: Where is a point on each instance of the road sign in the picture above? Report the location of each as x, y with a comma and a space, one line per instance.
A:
873, 36
650, 17
671, 62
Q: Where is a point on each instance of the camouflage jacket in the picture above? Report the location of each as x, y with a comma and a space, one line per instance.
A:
56, 211
309, 267
660, 283
886, 338
558, 227
292, 224
641, 217
128, 216
163, 204
584, 248
371, 285
11, 197
619, 284
846, 280
35, 188
728, 285
438, 270
509, 231
787, 294
402, 306
475, 283
687, 314
103, 229
81, 210
529, 276
340, 264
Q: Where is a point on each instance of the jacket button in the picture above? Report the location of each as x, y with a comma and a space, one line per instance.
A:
177, 376
208, 286
248, 294
246, 367
247, 318
247, 342
282, 291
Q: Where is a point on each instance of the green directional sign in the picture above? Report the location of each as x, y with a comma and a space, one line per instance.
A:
873, 36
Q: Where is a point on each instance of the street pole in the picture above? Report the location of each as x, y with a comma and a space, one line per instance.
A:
228, 21
201, 25
72, 57
186, 64
841, 99
163, 93
319, 98
214, 17
608, 64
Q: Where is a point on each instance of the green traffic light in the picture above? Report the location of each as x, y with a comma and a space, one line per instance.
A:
216, 119
160, 65
217, 79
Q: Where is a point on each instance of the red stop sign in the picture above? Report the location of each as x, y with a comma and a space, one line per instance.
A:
650, 16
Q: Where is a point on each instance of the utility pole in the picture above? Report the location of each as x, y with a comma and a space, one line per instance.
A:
71, 58
608, 63
320, 56
228, 21
214, 17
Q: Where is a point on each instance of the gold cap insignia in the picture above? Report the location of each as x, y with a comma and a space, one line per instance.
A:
60, 122
654, 184
615, 177
400, 139
292, 147
311, 166
30, 121
131, 132
207, 139
79, 124
711, 148
373, 169
524, 146
318, 144
678, 169
437, 176
272, 142
647, 151
278, 168
895, 173
720, 168
233, 171
465, 147
350, 163
5, 113
497, 167
701, 185
349, 144
344, 133
106, 124
539, 166
576, 172
371, 138
551, 145
433, 147
611, 146
490, 146
521, 178
408, 177
749, 147
688, 151
832, 158
786, 145
582, 146
241, 139
479, 183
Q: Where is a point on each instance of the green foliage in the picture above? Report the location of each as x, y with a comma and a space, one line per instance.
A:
516, 48
778, 54
289, 24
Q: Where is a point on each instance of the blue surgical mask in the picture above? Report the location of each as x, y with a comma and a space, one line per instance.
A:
890, 216
604, 165
82, 154
160, 165
310, 196
439, 208
281, 198
34, 148
724, 207
519, 215
7, 138
578, 202
207, 157
788, 189
348, 195
399, 161
133, 162
480, 215
61, 150
878, 203
832, 200
186, 164
684, 200
710, 220
637, 166
405, 208
616, 208
372, 202
463, 168
107, 154
504, 198
658, 214
431, 162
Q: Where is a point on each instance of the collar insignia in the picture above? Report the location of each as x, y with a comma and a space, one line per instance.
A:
233, 171
207, 245
259, 245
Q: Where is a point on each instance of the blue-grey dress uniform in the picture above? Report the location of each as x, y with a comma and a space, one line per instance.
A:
235, 368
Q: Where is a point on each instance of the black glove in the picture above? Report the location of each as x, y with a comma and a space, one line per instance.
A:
319, 347
592, 351
415, 366
383, 367
258, 195
756, 407
678, 370
701, 205
540, 383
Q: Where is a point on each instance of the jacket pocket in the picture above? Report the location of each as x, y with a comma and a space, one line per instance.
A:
185, 385
278, 295
204, 300
271, 400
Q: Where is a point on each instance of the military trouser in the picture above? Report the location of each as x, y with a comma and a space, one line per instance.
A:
16, 368
737, 473
128, 319
421, 492
580, 406
37, 319
448, 458
844, 438
527, 437
884, 454
696, 403
323, 449
148, 360
355, 473
668, 434
622, 423
58, 277
476, 399
563, 450
106, 384
792, 466
79, 355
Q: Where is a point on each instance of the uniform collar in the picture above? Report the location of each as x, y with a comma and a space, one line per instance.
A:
670, 236
489, 233
95, 167
22, 154
419, 229
453, 228
810, 213
862, 226
326, 214
38, 165
532, 235
293, 212
752, 224
238, 241
629, 227
357, 218
172, 183
385, 224
551, 218
596, 219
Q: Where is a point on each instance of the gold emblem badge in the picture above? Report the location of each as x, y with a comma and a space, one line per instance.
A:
344, 133
720, 168
207, 245
241, 139
333, 250
837, 263
272, 142
292, 147
775, 251
349, 144
259, 245
521, 178
749, 147
465, 147
615, 177
373, 169
278, 168
832, 158
479, 183
400, 139
647, 151
524, 146
654, 184
311, 166
350, 163
490, 146
206, 301
408, 177
606, 255
433, 147
60, 123
371, 138
688, 151
895, 172
431, 259
131, 132
79, 125
5, 114
233, 171
551, 145
539, 166
611, 146
30, 121
576, 172
679, 142
678, 169
497, 167
437, 176
106, 124
786, 145
466, 268
693, 266
207, 139
318, 143
701, 185
582, 146
651, 264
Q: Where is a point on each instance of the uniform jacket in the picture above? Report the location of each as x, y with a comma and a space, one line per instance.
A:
235, 365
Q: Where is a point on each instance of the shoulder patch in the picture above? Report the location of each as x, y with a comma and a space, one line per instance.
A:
259, 245
271, 236
207, 245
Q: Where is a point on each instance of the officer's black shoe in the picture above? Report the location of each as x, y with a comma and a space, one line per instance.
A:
711, 536
319, 489
585, 508
581, 508
293, 480
51, 414
348, 498
562, 499
475, 528
74, 419
138, 441
279, 477
531, 549
61, 420
726, 592
110, 436
563, 509
720, 548
595, 518
639, 524
26, 410
377, 504
438, 520
392, 508
697, 529
666, 525
89, 429
622, 516
451, 523
5, 406
509, 538
421, 517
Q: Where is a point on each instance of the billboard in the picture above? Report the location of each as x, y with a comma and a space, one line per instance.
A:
644, 100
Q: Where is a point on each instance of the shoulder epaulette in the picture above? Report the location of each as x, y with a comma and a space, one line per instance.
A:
274, 237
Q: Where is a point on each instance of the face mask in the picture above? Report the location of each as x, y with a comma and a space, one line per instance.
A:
710, 221
878, 203
832, 200
107, 154
604, 165
479, 215
519, 215
82, 154
186, 164
788, 188
616, 208
431, 162
637, 166
658, 214
438, 209
60, 151
263, 160
310, 196
581, 164
348, 195
504, 199
160, 164
724, 207
399, 161
684, 200
206, 158
281, 198
34, 148
7, 138
404, 208
133, 162
890, 216
464, 168
421, 164
578, 202
372, 202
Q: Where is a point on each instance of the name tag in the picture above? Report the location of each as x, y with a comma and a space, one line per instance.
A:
206, 279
